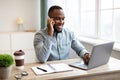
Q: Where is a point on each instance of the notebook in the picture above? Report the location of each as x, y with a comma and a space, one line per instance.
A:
51, 68
100, 55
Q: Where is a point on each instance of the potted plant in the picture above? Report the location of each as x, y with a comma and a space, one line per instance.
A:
6, 62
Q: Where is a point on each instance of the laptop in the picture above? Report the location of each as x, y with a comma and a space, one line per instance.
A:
100, 55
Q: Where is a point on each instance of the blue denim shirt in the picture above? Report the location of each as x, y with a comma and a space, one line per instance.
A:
58, 46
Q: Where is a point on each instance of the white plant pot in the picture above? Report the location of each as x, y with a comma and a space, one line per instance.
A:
5, 72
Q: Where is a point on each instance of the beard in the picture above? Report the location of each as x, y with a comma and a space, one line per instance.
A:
57, 31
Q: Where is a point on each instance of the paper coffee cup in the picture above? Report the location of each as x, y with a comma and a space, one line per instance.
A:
19, 59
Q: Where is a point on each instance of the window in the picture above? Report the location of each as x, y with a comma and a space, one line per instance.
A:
92, 18
88, 18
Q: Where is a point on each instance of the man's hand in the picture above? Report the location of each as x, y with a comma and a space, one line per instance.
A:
86, 58
50, 24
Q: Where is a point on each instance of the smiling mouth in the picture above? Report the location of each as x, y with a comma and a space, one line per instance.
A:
58, 29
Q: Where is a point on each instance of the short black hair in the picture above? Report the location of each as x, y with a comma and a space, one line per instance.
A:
52, 8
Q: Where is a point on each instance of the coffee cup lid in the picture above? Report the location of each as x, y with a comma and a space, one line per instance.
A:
19, 53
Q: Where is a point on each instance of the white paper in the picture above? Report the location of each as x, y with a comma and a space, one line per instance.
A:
51, 68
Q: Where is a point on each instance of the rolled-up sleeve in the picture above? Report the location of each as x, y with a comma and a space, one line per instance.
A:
78, 47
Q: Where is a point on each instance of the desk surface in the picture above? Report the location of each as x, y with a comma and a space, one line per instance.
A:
111, 67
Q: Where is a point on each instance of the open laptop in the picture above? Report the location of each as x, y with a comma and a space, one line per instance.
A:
100, 55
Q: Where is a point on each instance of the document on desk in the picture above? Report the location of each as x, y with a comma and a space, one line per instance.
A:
51, 68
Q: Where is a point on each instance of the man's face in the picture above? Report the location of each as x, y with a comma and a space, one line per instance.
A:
58, 17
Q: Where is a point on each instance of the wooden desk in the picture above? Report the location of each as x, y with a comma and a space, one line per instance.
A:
110, 71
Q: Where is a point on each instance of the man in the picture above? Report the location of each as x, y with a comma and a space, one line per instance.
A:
55, 42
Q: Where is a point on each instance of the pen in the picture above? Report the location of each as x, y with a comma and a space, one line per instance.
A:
42, 69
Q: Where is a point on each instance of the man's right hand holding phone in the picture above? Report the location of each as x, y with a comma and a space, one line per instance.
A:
50, 23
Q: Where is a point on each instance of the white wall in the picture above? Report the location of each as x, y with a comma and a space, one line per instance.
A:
10, 10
